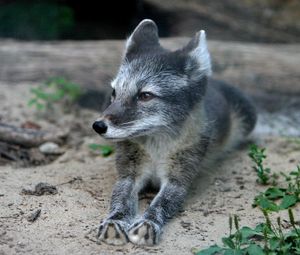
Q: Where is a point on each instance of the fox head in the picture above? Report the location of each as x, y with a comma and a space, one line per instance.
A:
155, 89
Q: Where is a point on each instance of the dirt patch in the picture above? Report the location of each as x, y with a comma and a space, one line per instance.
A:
40, 189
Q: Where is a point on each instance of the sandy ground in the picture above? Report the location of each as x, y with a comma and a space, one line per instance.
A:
68, 219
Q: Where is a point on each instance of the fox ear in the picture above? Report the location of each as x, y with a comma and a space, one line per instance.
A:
198, 54
143, 37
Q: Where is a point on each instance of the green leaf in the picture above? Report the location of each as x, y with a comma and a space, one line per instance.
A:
212, 250
229, 252
57, 95
32, 101
286, 247
247, 233
274, 242
259, 228
105, 150
293, 234
274, 193
266, 204
40, 93
95, 146
55, 90
254, 249
40, 106
233, 252
227, 241
288, 201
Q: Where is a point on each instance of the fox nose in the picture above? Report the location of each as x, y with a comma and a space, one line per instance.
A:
100, 127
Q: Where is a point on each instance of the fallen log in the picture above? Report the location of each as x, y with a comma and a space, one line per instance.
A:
22, 156
268, 72
28, 137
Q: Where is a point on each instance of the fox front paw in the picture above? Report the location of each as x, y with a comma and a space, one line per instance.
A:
144, 232
113, 232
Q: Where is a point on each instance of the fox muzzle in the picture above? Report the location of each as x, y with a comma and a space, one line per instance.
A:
100, 127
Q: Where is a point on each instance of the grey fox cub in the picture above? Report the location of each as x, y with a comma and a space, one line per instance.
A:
169, 121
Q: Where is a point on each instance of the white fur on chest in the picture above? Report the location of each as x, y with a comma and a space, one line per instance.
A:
159, 148
155, 169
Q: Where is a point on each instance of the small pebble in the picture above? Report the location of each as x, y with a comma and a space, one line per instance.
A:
50, 148
33, 216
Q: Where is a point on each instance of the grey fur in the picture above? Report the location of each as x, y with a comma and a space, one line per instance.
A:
189, 122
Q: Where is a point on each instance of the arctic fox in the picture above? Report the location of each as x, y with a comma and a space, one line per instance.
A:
169, 122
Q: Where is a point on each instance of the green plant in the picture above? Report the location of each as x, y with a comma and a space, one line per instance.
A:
288, 194
53, 91
258, 156
105, 150
266, 238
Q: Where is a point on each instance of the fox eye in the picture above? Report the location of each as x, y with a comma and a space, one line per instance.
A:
145, 96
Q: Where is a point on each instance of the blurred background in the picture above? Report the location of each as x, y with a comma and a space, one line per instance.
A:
254, 45
57, 59
267, 21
